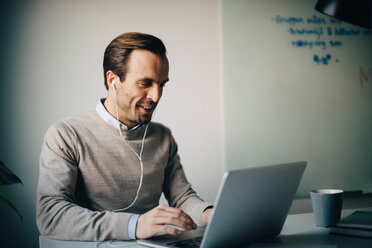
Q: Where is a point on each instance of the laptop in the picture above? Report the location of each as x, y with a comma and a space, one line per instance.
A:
251, 205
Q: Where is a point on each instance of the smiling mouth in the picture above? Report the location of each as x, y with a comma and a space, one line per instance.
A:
147, 108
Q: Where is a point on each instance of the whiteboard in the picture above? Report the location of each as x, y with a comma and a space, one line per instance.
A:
297, 85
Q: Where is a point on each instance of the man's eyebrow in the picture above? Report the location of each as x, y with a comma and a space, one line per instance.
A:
165, 81
149, 79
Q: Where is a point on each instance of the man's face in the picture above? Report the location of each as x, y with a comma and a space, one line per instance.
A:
140, 92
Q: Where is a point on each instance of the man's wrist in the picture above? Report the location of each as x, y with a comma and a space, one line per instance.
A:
132, 226
207, 214
211, 206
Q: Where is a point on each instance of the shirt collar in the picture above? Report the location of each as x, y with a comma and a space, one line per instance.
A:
108, 118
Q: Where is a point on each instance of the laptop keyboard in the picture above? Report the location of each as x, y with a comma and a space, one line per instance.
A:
188, 243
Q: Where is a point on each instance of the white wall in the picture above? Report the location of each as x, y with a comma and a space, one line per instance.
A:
56, 51
282, 105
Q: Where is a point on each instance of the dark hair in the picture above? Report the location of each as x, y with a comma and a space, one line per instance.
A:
117, 52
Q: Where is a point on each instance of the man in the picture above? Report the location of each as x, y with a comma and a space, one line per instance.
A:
102, 172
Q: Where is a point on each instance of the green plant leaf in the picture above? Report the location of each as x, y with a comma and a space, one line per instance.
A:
5, 198
7, 176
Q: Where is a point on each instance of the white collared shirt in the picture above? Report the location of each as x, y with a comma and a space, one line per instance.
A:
107, 117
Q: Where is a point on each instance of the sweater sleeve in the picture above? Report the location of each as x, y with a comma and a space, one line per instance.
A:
178, 190
58, 216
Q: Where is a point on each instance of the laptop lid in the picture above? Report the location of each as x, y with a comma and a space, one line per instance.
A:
252, 204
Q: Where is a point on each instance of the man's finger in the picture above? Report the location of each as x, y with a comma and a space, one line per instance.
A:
168, 230
179, 222
170, 211
173, 217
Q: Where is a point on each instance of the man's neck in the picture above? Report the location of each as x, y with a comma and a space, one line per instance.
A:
109, 105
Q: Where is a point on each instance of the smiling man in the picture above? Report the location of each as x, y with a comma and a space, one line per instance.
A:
103, 171
144, 81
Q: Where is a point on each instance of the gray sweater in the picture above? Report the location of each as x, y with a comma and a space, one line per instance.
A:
87, 172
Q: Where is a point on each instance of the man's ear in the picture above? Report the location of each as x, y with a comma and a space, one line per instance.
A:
111, 79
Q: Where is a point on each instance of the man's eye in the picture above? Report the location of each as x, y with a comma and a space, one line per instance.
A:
146, 84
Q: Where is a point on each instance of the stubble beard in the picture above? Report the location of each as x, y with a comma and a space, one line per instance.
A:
143, 119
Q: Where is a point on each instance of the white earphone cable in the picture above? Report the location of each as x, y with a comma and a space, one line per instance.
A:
138, 156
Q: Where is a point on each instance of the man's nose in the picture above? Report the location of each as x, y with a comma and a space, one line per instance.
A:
155, 93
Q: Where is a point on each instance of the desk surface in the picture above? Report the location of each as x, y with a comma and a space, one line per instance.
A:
298, 231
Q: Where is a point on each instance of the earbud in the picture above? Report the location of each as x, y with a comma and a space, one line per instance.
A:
113, 86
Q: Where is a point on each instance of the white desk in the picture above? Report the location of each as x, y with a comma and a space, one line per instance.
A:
299, 231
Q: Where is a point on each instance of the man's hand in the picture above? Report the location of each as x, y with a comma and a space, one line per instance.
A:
157, 220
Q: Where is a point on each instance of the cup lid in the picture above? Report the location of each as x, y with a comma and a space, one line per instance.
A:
327, 191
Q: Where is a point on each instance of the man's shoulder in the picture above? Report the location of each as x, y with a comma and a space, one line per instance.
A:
162, 132
159, 127
68, 124
85, 117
